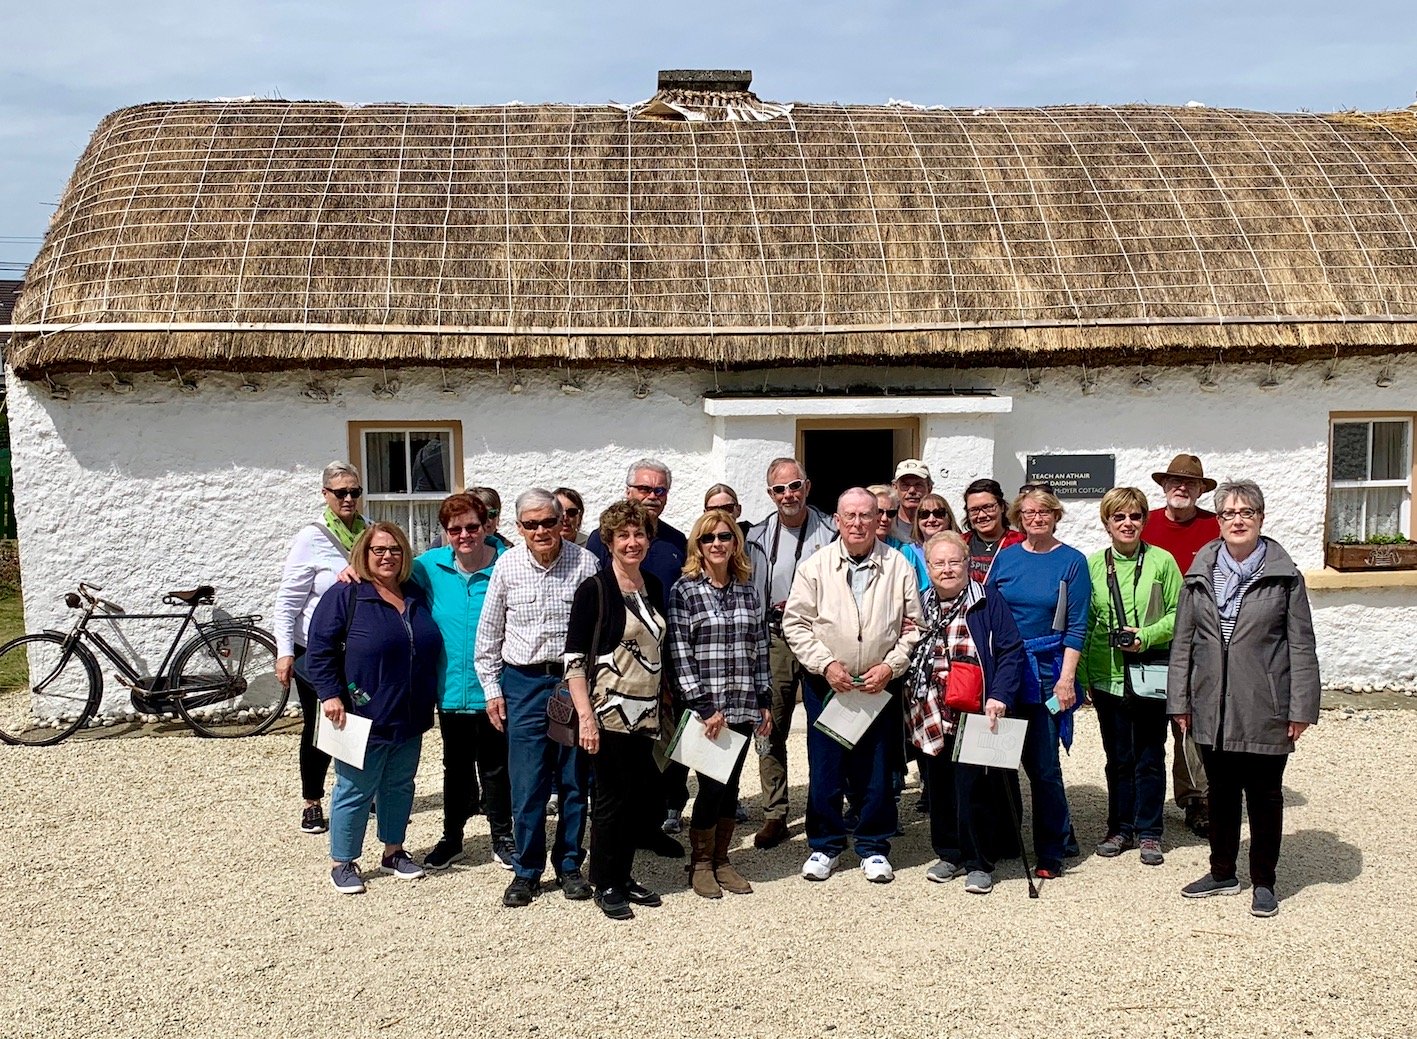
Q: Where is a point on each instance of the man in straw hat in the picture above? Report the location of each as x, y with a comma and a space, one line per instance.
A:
1182, 528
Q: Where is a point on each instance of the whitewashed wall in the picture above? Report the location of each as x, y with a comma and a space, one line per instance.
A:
158, 488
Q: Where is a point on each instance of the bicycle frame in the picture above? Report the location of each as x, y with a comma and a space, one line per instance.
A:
119, 660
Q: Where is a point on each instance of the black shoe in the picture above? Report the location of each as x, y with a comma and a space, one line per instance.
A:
640, 895
573, 886
312, 819
663, 845
614, 903
520, 892
444, 854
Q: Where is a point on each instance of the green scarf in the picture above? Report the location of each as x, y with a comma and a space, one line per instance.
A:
345, 534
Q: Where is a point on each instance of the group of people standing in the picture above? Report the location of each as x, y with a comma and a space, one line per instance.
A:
557, 669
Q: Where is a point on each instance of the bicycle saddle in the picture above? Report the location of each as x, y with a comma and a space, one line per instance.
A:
203, 593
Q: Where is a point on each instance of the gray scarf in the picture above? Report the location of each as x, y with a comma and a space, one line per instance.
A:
1236, 574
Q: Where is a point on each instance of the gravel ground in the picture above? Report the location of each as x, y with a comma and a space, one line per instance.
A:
159, 886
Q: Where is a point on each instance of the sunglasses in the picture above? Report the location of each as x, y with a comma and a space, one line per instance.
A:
1026, 487
493, 513
783, 488
722, 536
346, 492
545, 524
890, 513
571, 512
943, 514
644, 488
1135, 517
385, 550
471, 528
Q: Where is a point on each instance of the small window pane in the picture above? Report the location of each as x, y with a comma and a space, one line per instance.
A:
386, 459
432, 463
1346, 514
1350, 451
1389, 450
1384, 510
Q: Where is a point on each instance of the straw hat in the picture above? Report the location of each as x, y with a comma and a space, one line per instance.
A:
1188, 467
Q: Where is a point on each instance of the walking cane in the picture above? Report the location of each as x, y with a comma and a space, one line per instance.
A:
1014, 811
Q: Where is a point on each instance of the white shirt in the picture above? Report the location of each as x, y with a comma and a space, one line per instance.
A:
310, 570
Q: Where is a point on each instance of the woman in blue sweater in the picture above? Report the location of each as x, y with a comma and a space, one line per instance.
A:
373, 652
1048, 588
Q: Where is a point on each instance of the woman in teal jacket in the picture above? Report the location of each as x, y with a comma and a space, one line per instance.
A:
1131, 618
455, 577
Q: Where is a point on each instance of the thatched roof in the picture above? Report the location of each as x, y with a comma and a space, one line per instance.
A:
265, 234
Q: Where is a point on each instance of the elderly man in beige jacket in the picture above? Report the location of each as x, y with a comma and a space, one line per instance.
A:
845, 621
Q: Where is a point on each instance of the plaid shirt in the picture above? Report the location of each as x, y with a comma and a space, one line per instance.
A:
718, 642
946, 638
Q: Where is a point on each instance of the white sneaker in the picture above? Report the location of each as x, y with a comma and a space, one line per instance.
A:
877, 869
819, 866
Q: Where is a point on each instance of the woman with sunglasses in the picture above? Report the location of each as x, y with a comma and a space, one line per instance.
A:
1047, 588
718, 641
933, 516
572, 515
723, 497
1130, 622
374, 652
454, 578
319, 553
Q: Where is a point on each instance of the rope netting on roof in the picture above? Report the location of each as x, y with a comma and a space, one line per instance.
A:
562, 220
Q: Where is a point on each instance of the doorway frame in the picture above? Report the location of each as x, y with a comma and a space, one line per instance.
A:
911, 423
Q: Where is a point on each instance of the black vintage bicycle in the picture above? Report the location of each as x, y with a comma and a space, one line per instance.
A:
222, 680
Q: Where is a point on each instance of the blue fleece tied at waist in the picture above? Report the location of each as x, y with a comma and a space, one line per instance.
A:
1048, 650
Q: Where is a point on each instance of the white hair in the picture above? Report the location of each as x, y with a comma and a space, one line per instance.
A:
653, 465
338, 469
538, 498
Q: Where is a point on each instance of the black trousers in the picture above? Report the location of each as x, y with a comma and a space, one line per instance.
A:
970, 824
472, 745
314, 763
1260, 779
674, 785
626, 803
717, 800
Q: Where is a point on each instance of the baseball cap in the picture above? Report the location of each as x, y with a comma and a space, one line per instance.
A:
912, 467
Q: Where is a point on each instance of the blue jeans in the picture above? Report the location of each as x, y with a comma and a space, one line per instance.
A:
1134, 741
865, 770
534, 759
386, 780
1051, 823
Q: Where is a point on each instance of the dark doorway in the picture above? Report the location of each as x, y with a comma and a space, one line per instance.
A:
840, 458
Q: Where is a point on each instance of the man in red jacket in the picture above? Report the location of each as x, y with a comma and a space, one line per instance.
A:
1182, 528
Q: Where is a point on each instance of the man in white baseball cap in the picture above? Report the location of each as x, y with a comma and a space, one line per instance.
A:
912, 483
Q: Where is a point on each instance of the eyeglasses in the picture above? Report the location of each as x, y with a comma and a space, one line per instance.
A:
783, 488
1230, 515
982, 510
346, 492
544, 524
722, 536
1135, 517
471, 528
572, 512
889, 513
493, 513
851, 519
385, 550
948, 566
943, 514
644, 488
1035, 513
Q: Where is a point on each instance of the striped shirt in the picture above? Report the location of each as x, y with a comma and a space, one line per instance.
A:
527, 611
1218, 580
718, 641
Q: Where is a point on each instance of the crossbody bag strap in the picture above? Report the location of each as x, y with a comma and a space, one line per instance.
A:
333, 540
600, 610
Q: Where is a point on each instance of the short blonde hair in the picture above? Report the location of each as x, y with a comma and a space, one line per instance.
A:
1119, 499
1047, 499
885, 490
945, 537
359, 552
738, 566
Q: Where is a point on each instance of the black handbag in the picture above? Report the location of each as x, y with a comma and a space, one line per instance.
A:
563, 724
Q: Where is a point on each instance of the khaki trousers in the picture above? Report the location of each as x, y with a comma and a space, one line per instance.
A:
772, 766
1188, 780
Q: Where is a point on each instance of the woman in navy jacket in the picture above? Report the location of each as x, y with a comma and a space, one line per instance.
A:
373, 652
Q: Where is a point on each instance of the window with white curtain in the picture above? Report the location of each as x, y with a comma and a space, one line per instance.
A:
1370, 478
408, 470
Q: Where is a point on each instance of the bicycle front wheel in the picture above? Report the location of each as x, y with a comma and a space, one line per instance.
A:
46, 694
224, 682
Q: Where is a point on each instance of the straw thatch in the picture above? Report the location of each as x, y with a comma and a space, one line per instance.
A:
268, 234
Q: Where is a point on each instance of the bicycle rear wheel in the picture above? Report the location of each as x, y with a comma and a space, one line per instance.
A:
223, 682
45, 694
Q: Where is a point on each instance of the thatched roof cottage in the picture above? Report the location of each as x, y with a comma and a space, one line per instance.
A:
233, 292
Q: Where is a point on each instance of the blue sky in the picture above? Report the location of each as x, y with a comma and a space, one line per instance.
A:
67, 64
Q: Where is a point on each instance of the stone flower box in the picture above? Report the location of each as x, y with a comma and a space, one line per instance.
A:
1369, 556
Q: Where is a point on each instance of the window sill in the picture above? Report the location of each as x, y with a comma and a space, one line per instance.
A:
1329, 578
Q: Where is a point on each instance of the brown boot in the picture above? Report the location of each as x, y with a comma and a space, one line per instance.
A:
773, 833
700, 867
723, 871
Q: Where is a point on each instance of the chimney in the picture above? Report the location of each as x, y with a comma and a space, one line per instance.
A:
707, 80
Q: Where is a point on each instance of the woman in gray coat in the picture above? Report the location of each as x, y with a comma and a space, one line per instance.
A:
1244, 678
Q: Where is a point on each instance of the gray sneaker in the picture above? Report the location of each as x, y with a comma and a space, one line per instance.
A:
345, 878
673, 821
978, 882
1113, 845
1263, 902
1151, 852
1208, 885
944, 871
401, 865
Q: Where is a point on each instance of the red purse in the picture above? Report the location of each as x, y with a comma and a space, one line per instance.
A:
964, 687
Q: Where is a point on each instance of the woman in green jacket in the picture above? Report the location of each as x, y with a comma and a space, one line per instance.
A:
1132, 615
454, 576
